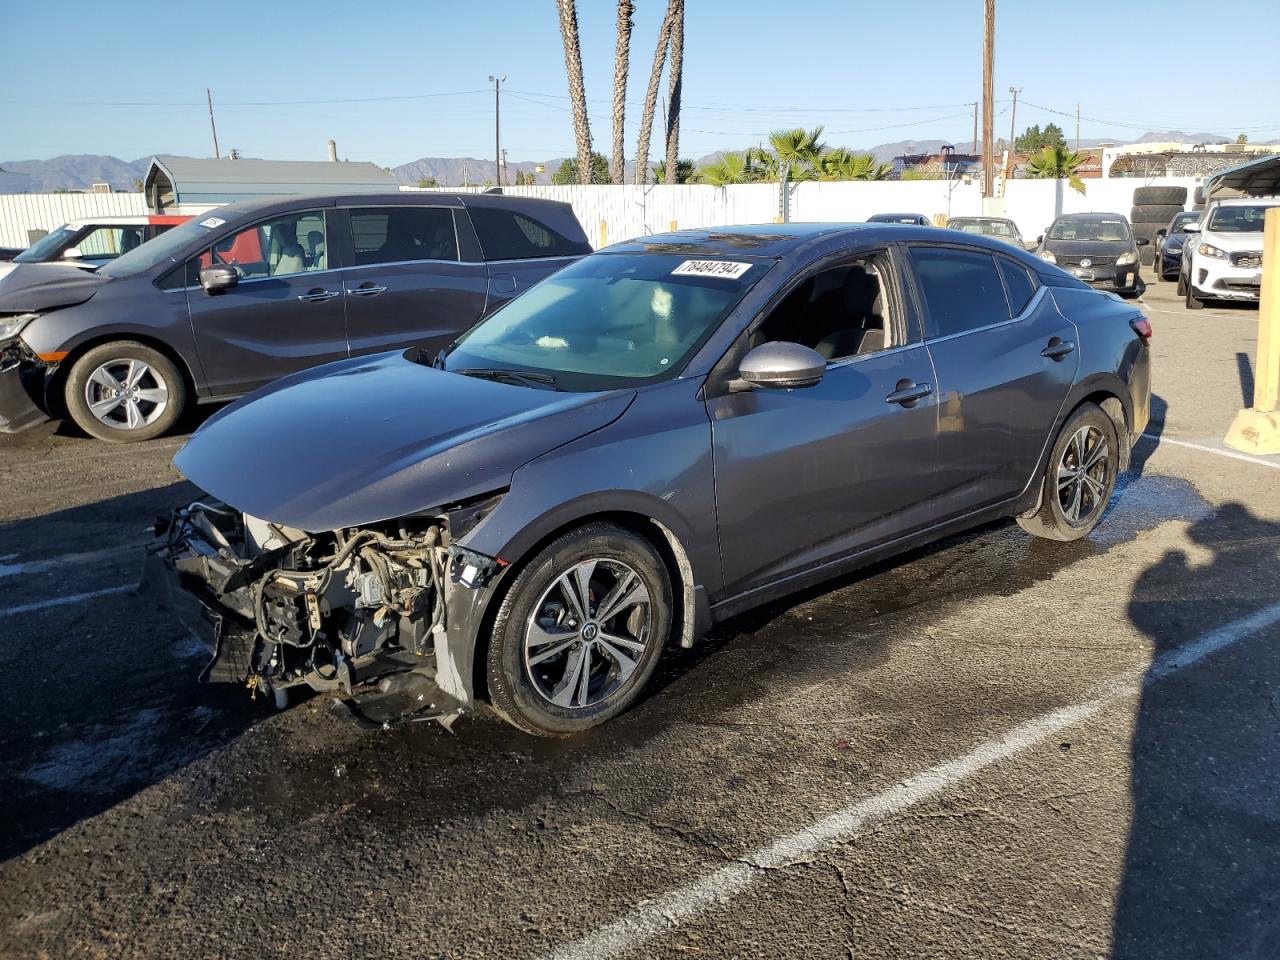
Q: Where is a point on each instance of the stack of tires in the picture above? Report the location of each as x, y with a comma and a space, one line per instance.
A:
1153, 208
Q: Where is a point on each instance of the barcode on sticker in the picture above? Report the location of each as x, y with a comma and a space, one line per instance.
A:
725, 269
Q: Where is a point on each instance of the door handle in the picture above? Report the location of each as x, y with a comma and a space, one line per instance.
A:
1057, 349
367, 290
908, 392
318, 295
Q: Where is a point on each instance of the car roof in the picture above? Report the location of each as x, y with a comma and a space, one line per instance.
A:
1092, 216
284, 203
1249, 202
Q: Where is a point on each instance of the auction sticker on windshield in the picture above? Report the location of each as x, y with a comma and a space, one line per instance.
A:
727, 269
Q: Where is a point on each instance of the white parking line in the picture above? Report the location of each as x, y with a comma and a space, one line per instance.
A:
655, 917
1205, 448
67, 560
62, 601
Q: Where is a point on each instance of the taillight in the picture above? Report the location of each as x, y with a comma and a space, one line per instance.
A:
1142, 327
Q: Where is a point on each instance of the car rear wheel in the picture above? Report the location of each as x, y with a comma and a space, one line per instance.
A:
1079, 479
125, 392
579, 632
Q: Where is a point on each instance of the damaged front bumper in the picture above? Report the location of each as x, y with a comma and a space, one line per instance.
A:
366, 613
22, 381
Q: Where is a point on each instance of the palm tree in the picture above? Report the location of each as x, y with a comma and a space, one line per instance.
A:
675, 12
843, 164
730, 168
621, 64
684, 172
577, 90
651, 100
1058, 163
798, 151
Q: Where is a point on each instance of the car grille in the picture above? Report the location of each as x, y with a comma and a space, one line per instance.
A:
1247, 258
1093, 261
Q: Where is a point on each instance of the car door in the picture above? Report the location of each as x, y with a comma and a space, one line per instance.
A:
405, 283
1004, 358
284, 314
807, 476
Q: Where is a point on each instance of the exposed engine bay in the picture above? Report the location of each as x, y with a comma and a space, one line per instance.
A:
358, 612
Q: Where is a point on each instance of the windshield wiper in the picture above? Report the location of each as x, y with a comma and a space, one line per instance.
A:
526, 377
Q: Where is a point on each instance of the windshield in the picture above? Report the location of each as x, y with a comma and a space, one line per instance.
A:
987, 228
1089, 230
610, 320
1237, 219
46, 247
163, 249
1181, 220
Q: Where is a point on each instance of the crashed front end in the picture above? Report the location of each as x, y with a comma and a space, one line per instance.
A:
362, 612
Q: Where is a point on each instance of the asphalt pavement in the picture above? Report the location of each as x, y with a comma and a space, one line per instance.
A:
991, 747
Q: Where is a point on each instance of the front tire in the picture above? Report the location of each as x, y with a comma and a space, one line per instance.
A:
579, 632
1079, 479
125, 392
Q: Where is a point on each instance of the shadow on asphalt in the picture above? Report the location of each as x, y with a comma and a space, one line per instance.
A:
1245, 367
1202, 867
1147, 443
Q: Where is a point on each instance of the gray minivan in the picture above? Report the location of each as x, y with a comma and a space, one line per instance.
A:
251, 291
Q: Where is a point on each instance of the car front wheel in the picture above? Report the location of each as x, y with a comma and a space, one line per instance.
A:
579, 632
1079, 479
125, 392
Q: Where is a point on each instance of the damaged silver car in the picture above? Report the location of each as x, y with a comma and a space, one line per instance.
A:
656, 438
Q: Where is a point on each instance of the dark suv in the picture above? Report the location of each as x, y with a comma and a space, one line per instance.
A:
1098, 248
246, 293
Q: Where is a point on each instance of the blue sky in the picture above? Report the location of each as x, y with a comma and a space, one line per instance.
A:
128, 78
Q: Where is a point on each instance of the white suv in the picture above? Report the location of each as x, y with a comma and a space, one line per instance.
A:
1222, 256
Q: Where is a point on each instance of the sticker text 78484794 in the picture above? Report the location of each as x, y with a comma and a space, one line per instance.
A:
723, 269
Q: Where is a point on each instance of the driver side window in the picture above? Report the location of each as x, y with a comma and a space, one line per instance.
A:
282, 247
840, 312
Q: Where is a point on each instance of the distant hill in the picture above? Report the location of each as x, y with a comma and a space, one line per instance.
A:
81, 171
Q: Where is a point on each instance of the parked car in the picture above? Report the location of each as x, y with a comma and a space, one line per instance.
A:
91, 243
1169, 243
996, 227
662, 435
1098, 248
1222, 258
228, 302
916, 219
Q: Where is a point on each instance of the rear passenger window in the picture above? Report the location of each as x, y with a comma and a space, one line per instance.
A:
1017, 284
399, 234
962, 289
506, 235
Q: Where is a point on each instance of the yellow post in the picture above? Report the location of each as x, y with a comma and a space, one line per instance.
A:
672, 226
604, 233
1257, 430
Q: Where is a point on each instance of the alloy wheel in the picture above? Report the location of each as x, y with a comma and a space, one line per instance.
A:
126, 394
1082, 476
587, 633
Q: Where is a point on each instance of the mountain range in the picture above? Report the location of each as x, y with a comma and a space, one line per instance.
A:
80, 171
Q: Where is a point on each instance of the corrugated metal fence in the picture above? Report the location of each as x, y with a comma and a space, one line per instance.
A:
20, 212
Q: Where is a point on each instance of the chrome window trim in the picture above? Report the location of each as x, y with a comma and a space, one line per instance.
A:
858, 357
1031, 305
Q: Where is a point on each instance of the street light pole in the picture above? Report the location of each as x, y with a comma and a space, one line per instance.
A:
1013, 127
497, 128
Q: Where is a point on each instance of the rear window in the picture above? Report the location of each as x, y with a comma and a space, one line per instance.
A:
507, 235
1018, 284
401, 234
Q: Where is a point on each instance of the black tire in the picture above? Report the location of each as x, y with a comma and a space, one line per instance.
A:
1144, 196
1053, 521
161, 375
1197, 198
519, 693
1158, 214
1192, 301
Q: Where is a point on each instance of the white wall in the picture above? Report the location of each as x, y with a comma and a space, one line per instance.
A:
20, 212
632, 211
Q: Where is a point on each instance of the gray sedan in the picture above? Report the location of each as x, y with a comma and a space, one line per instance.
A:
658, 437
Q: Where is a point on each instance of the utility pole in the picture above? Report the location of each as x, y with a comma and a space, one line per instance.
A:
975, 126
988, 97
213, 126
1077, 128
497, 128
1013, 128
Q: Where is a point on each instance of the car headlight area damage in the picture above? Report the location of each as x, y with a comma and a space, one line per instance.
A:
360, 612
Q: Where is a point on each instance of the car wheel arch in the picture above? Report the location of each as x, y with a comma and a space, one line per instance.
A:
692, 616
57, 383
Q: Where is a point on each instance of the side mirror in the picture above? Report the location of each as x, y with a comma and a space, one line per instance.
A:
218, 277
1142, 242
783, 366
71, 253
1162, 232
1191, 228
1039, 239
